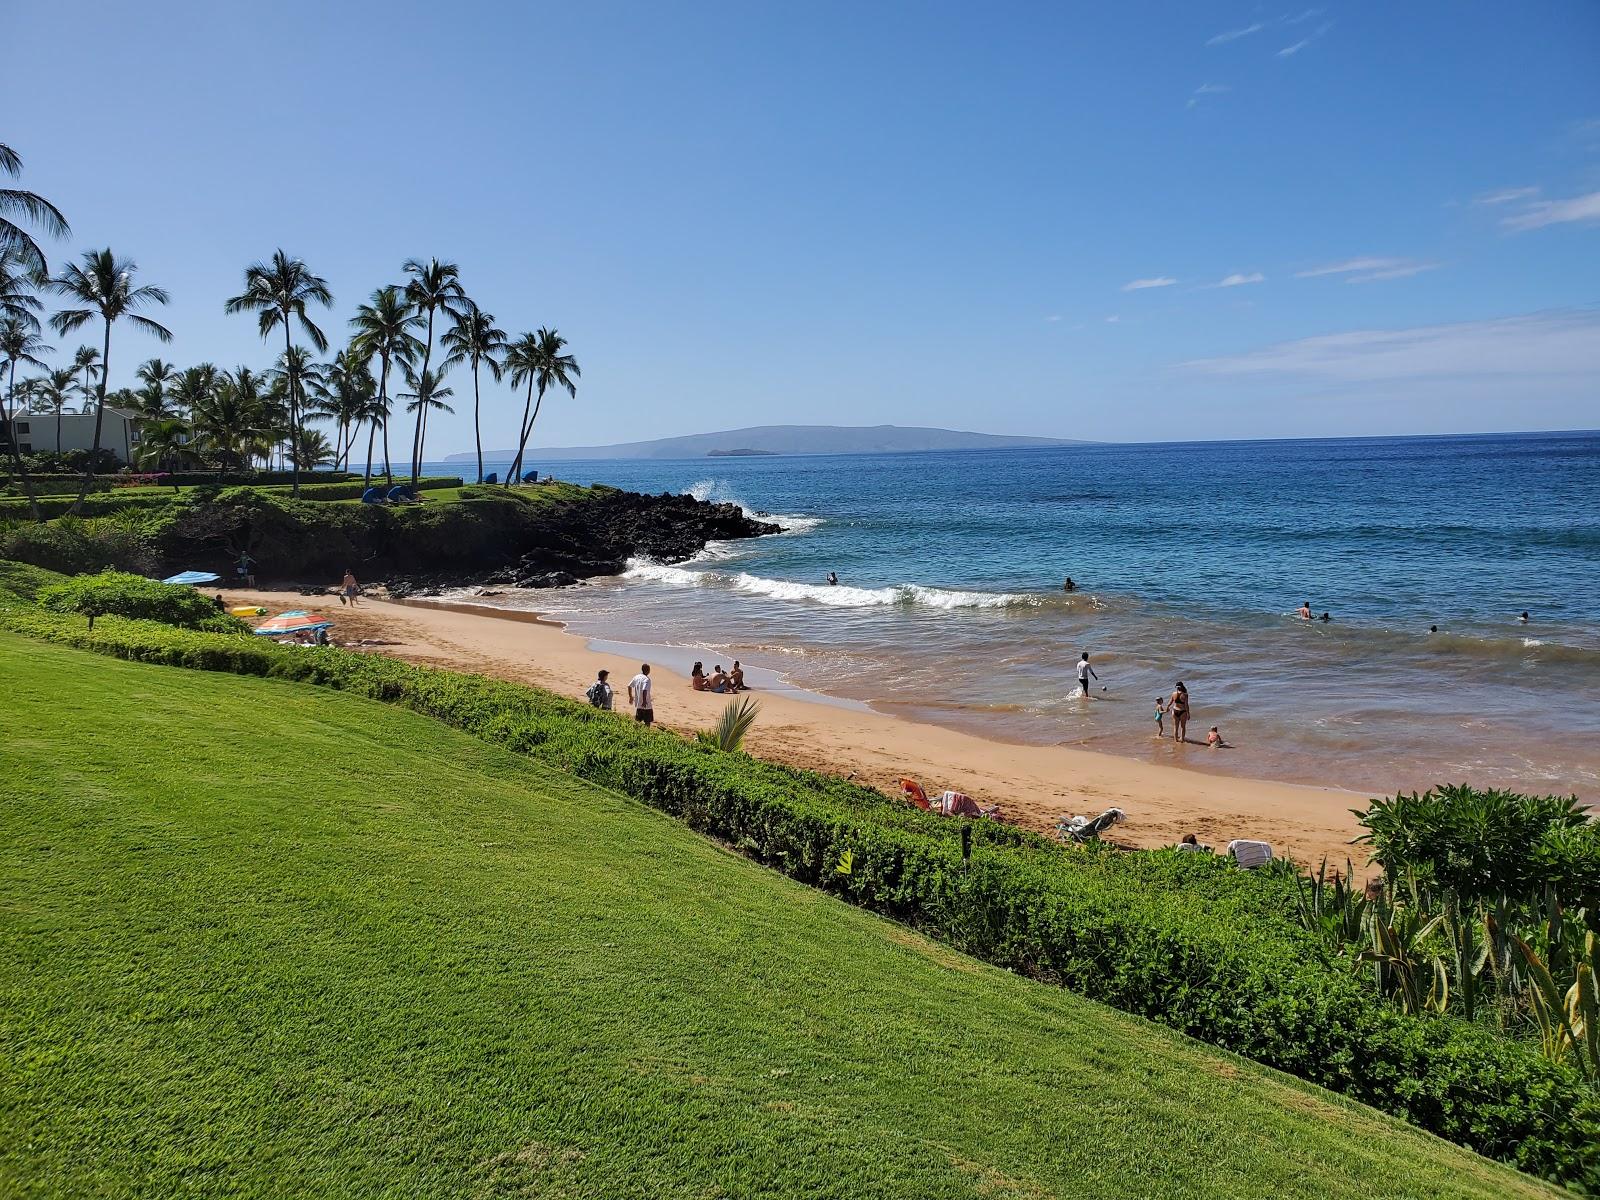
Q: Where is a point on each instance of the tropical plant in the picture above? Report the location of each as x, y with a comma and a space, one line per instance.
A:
157, 377
31, 206
537, 360
17, 286
729, 732
426, 394
1331, 906
164, 444
434, 286
86, 368
473, 339
278, 292
1568, 1018
103, 286
190, 389
19, 343
344, 395
313, 450
384, 330
232, 418
50, 393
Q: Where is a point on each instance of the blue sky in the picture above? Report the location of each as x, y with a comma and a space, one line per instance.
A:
913, 213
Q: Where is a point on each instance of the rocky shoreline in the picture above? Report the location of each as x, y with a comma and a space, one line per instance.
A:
596, 537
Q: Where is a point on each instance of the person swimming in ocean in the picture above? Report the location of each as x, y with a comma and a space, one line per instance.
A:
1433, 629
1523, 619
1305, 611
1326, 618
1069, 585
833, 579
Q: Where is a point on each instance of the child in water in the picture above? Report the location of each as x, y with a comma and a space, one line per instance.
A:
1161, 712
1214, 740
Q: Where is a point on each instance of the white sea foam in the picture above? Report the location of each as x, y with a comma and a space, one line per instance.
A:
910, 595
1530, 643
720, 491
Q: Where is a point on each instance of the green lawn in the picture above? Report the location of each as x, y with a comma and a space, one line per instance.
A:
259, 939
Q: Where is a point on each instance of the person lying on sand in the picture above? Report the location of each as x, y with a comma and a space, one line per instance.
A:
697, 678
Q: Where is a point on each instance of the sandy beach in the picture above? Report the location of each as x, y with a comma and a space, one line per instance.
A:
1034, 785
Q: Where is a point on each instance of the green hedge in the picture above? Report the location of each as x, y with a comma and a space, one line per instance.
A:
112, 593
355, 489
1182, 939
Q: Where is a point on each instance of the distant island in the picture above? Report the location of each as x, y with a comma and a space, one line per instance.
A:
787, 439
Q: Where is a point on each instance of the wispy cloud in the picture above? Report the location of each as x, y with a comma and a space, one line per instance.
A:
1555, 212
1506, 195
1139, 285
1305, 16
1370, 270
1053, 317
1112, 320
1565, 343
1207, 89
1287, 51
1234, 35
1238, 280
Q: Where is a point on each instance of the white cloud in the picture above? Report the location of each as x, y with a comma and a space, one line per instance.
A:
1544, 345
1305, 16
1555, 212
1370, 270
1211, 89
1294, 49
1112, 320
1237, 280
1506, 195
1138, 285
1235, 34
1053, 317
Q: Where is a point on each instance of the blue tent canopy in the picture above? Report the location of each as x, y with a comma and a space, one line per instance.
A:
193, 577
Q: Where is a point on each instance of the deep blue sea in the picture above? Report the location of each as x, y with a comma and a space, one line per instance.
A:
1191, 560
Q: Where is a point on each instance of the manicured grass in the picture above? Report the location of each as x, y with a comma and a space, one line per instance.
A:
264, 939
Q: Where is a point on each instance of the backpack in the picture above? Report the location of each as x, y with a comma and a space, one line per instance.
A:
597, 694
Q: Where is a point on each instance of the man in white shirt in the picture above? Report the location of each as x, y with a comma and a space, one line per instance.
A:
639, 696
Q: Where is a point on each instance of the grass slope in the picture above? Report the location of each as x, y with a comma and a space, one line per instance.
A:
263, 940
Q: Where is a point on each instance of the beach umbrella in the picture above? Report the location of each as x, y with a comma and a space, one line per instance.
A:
193, 577
291, 622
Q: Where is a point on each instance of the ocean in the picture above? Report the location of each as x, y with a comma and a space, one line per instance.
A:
1190, 560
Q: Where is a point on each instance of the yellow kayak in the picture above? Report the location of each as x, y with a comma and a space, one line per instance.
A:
248, 610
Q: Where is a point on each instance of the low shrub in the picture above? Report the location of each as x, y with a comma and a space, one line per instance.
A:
112, 593
1182, 939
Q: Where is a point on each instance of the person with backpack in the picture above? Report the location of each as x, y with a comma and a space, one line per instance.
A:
599, 693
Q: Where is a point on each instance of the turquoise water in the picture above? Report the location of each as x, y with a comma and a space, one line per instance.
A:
1190, 560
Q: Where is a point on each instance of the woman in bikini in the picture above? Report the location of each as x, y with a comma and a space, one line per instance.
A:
1178, 709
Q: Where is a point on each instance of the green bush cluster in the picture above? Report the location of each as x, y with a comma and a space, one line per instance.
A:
72, 545
1182, 939
355, 489
112, 593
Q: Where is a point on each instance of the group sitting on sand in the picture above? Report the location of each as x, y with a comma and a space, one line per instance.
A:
719, 680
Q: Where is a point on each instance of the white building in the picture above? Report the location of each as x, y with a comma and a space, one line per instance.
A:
36, 432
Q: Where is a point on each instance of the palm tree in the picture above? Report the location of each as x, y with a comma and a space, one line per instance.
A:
17, 285
345, 397
163, 443
104, 286
295, 373
279, 292
425, 394
32, 206
19, 343
474, 339
433, 286
313, 450
231, 417
86, 363
191, 388
50, 393
156, 376
536, 359
383, 328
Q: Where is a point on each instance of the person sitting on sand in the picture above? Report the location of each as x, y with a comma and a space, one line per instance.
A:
1161, 713
736, 677
1214, 740
697, 678
1193, 845
718, 681
1305, 611
222, 605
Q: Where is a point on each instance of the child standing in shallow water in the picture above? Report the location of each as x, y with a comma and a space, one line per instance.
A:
1161, 712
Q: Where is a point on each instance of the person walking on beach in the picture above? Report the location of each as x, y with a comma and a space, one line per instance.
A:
639, 696
349, 589
1085, 673
599, 693
243, 569
1161, 712
1178, 706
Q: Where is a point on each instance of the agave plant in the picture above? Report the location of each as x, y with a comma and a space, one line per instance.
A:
728, 733
1404, 966
1331, 906
1568, 1019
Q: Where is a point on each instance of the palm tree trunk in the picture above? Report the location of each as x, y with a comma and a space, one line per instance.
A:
294, 411
366, 478
477, 433
383, 403
522, 427
422, 409
99, 417
17, 467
